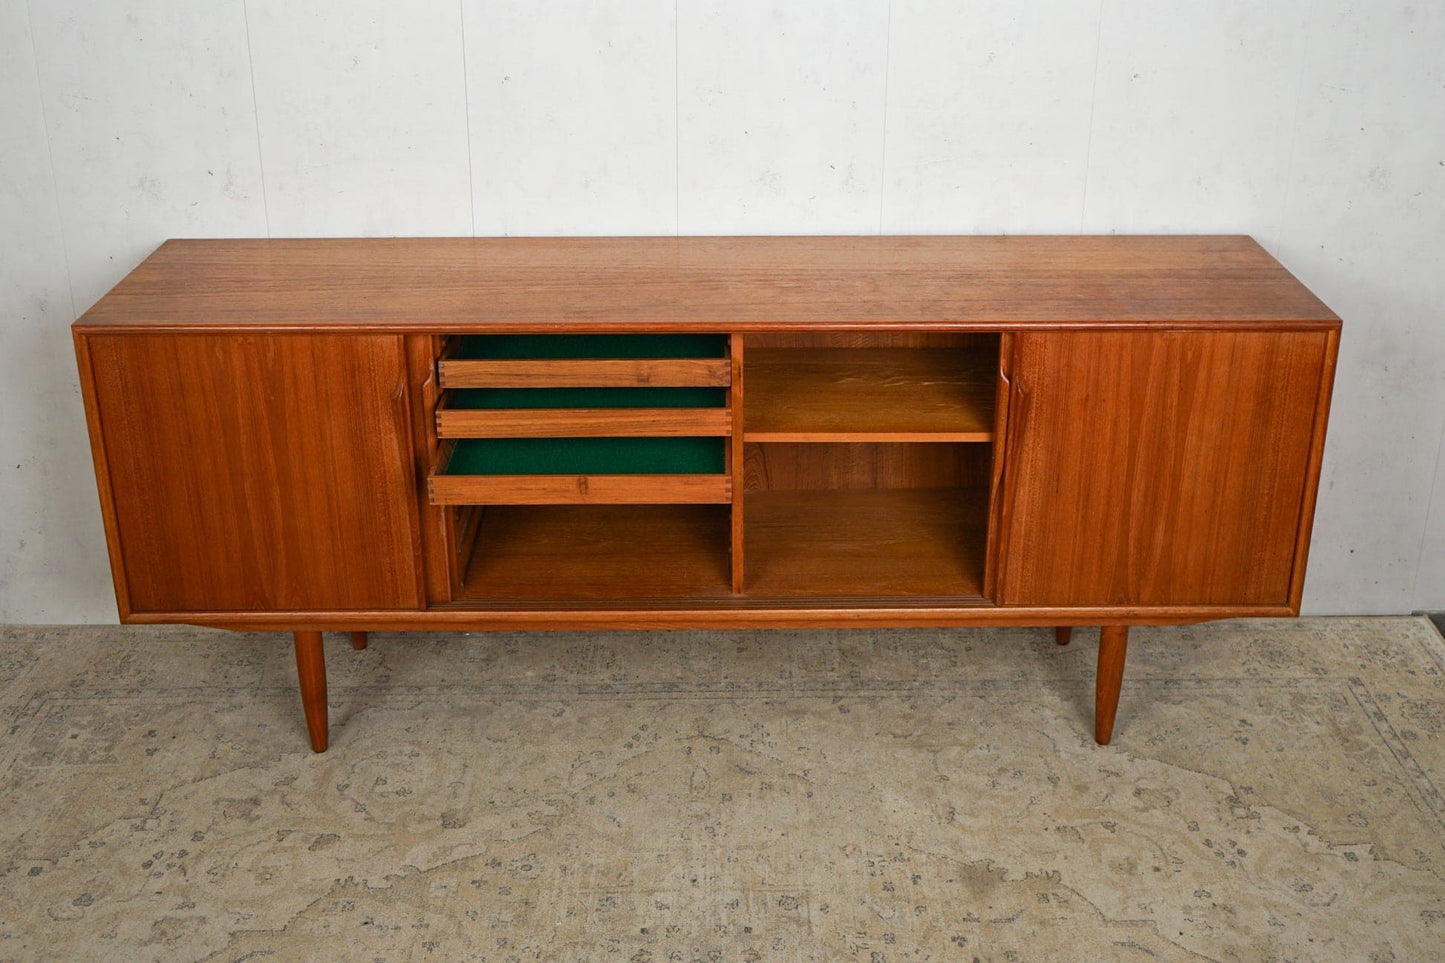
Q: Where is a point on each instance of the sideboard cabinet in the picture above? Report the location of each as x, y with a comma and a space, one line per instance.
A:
587, 433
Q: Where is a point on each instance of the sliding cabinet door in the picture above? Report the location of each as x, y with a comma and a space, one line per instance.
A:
262, 473
1161, 468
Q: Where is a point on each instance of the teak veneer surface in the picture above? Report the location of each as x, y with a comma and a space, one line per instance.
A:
232, 482
1159, 468
714, 283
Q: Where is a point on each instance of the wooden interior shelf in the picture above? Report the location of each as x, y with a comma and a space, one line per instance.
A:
879, 542
599, 553
870, 394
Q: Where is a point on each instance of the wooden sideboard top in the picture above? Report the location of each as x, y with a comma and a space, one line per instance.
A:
707, 283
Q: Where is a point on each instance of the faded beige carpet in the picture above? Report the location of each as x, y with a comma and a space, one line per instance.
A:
883, 796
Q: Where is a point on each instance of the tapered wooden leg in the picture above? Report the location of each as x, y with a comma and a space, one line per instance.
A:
311, 671
358, 640
1113, 642
1063, 634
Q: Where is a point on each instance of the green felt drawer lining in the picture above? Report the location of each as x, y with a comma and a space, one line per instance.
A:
501, 398
588, 456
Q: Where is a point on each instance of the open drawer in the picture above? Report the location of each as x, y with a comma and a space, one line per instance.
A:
581, 470
578, 419
581, 412
586, 360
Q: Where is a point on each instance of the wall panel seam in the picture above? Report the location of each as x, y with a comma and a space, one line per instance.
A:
1093, 102
256, 117
50, 160
676, 119
883, 139
467, 113
1287, 196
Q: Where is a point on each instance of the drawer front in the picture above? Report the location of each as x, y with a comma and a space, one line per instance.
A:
579, 489
583, 423
640, 372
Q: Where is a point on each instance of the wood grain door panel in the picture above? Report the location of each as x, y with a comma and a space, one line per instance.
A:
257, 473
1163, 468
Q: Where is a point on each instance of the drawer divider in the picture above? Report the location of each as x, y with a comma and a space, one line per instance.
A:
581, 422
587, 373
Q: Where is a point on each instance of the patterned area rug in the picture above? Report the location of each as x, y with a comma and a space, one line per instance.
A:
883, 796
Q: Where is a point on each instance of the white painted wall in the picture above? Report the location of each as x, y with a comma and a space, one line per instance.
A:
1317, 126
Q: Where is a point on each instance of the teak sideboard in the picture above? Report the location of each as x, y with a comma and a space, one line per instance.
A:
596, 433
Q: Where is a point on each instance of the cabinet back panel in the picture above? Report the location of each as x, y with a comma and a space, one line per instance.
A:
812, 466
255, 473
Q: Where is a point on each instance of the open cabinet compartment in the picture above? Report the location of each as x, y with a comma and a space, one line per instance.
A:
862, 471
867, 464
596, 553
877, 387
839, 520
586, 467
